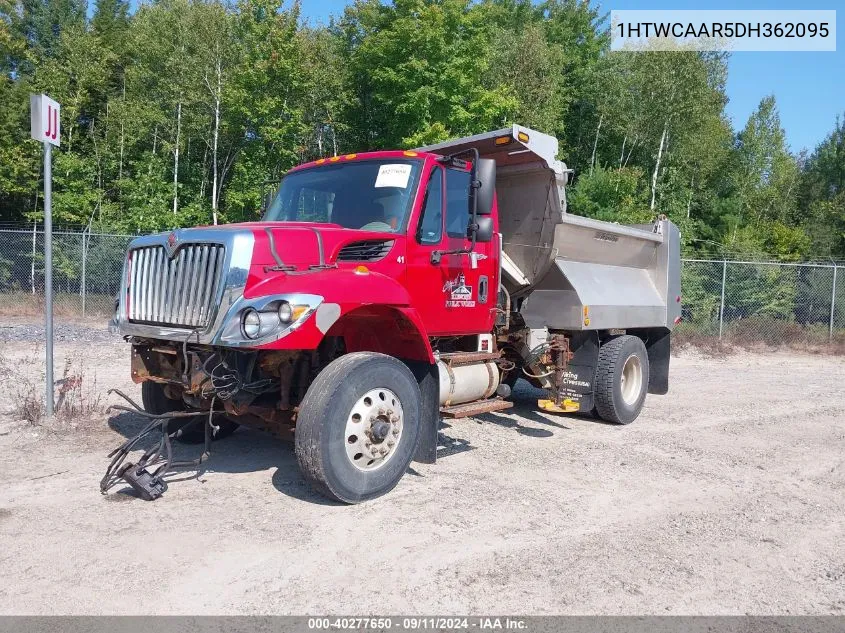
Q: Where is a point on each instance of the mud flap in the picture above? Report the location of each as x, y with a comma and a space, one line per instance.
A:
429, 383
658, 346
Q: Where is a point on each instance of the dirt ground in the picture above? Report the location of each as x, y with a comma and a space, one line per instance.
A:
725, 497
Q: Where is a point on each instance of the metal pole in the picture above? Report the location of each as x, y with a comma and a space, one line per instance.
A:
48, 272
832, 306
84, 254
722, 302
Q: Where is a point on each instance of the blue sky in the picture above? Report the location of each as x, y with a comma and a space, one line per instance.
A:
809, 87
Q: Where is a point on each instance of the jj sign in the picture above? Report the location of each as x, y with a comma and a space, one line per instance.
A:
45, 122
45, 128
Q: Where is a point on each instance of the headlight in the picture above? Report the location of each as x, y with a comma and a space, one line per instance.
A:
251, 324
263, 320
285, 312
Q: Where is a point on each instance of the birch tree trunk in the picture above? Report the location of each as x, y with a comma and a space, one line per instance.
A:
204, 171
122, 117
596, 143
691, 189
176, 157
215, 186
657, 166
622, 155
631, 150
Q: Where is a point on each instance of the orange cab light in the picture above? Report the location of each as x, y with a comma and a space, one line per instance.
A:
410, 153
298, 311
350, 156
334, 159
320, 161
503, 140
523, 137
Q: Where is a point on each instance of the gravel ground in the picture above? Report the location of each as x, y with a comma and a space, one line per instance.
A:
725, 497
25, 331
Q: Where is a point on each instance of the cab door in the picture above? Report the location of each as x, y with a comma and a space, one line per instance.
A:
457, 295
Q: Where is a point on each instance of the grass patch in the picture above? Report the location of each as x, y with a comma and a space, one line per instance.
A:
760, 334
65, 305
76, 395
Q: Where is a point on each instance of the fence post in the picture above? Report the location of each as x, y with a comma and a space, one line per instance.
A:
832, 306
32, 267
722, 302
82, 280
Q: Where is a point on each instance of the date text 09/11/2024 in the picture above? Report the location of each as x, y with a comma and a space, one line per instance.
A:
418, 623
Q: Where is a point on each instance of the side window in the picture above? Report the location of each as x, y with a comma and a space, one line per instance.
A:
457, 202
431, 222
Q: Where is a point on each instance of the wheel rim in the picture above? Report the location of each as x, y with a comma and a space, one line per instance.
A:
632, 379
374, 429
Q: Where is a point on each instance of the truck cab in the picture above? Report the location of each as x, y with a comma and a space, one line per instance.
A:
382, 291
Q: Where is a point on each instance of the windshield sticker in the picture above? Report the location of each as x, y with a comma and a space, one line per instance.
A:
393, 176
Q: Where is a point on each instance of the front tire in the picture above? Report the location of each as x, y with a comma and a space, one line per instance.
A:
155, 401
358, 426
621, 379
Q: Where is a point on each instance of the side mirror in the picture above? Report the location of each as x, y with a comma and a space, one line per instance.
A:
483, 230
486, 176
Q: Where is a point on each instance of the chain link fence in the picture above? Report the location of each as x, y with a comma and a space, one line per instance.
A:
86, 273
737, 301
764, 302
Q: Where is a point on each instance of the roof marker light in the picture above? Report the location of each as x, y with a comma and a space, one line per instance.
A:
523, 137
410, 153
350, 156
504, 140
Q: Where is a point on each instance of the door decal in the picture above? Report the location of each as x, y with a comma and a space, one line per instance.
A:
459, 294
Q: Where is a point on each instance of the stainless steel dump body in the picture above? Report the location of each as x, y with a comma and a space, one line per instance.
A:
572, 272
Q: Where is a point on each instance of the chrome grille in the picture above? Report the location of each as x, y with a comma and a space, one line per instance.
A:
178, 291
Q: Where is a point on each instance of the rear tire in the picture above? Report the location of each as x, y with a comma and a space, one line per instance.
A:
359, 405
621, 379
155, 401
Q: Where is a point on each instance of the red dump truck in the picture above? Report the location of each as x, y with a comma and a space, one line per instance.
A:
384, 291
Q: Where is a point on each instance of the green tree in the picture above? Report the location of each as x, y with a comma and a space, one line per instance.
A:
418, 66
822, 195
764, 175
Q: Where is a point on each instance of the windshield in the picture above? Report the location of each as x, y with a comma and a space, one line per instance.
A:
372, 195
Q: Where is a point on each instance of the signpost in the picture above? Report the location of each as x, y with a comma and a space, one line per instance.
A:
45, 127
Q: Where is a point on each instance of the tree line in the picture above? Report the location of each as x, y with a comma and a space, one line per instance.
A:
188, 111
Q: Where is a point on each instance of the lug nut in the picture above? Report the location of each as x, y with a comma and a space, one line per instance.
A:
394, 418
396, 432
390, 443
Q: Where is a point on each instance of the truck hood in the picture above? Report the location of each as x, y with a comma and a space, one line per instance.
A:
286, 246
299, 246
